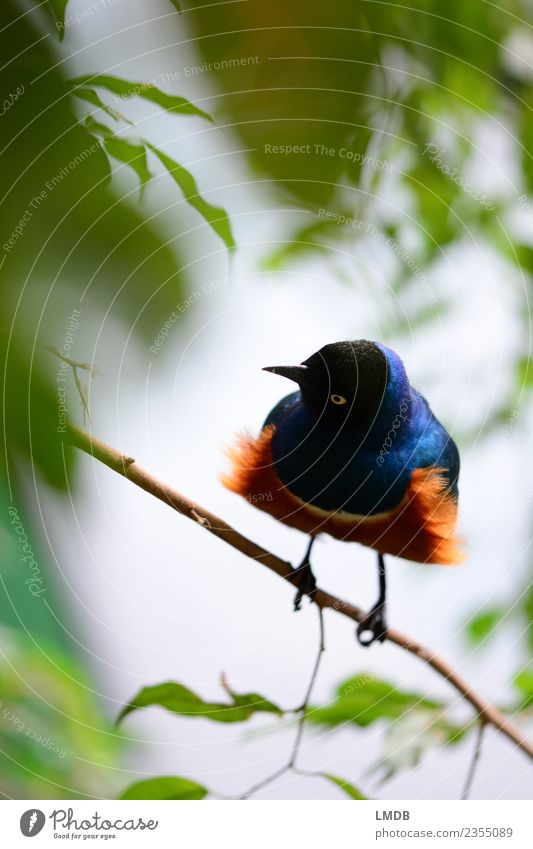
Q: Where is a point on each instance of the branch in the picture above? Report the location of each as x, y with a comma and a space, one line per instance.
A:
475, 759
75, 365
128, 468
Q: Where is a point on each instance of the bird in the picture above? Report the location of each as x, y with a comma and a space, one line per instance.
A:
356, 453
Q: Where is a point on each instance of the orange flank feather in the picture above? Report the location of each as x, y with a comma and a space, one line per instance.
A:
421, 527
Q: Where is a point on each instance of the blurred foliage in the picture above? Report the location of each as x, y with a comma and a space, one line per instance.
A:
414, 724
352, 105
74, 247
517, 613
341, 107
482, 625
166, 787
176, 787
352, 792
363, 700
353, 74
179, 699
126, 89
55, 743
310, 74
69, 237
524, 685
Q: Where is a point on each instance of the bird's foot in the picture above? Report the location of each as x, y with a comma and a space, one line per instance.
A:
373, 627
305, 582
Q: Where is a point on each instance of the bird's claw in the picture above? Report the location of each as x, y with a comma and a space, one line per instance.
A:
374, 625
304, 580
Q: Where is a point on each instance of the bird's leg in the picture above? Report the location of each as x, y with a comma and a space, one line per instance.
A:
303, 578
374, 625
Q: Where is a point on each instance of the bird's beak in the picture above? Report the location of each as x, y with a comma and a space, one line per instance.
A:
297, 373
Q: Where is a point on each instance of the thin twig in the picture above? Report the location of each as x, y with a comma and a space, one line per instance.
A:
82, 393
213, 524
75, 365
305, 705
475, 760
264, 782
93, 370
302, 711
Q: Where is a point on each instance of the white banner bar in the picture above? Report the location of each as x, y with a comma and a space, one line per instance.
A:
263, 825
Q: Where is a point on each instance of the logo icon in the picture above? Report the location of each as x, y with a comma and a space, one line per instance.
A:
32, 822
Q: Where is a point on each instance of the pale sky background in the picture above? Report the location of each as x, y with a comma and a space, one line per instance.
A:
150, 597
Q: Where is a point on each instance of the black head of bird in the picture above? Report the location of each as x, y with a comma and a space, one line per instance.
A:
343, 381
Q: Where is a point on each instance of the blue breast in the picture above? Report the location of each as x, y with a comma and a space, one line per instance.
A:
363, 471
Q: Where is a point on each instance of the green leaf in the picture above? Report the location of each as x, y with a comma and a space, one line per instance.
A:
57, 8
407, 741
94, 126
177, 6
146, 90
125, 151
524, 375
134, 156
216, 217
484, 624
179, 699
165, 787
345, 786
523, 682
130, 154
523, 255
91, 96
364, 700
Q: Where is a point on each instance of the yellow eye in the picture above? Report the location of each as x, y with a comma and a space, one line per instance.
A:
337, 399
